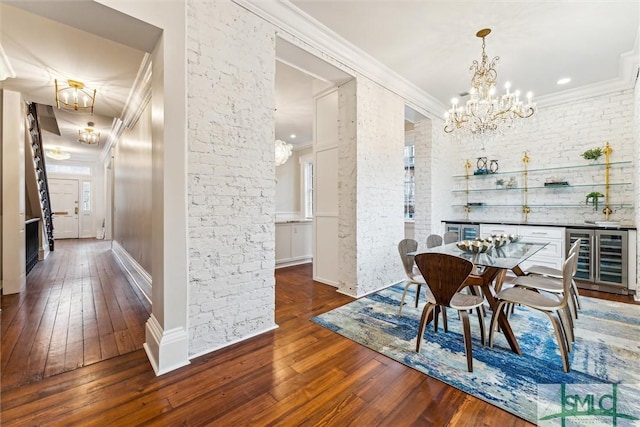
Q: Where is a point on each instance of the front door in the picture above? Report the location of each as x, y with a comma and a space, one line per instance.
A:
64, 205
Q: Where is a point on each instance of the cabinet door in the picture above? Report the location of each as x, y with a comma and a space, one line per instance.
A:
487, 230
585, 269
283, 242
452, 227
611, 259
469, 232
301, 240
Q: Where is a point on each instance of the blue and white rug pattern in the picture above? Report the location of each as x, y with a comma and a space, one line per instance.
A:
606, 350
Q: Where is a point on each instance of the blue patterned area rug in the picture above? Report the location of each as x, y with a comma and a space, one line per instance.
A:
606, 351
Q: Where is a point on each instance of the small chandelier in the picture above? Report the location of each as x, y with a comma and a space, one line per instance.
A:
57, 154
88, 136
75, 96
485, 111
283, 152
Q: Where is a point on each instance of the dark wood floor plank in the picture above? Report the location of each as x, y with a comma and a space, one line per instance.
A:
54, 325
299, 374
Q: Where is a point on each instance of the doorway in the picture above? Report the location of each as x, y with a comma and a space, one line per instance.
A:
64, 205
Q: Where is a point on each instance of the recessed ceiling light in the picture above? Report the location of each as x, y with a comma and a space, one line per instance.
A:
564, 80
292, 136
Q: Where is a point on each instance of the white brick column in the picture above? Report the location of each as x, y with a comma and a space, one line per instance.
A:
423, 178
231, 177
370, 186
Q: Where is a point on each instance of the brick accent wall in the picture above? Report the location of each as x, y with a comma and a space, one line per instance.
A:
422, 136
371, 177
636, 177
555, 137
231, 186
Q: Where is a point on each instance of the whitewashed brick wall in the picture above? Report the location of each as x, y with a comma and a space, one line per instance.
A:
371, 177
555, 137
636, 177
231, 186
422, 137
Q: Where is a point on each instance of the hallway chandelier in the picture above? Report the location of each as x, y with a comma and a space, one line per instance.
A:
75, 96
283, 152
57, 154
485, 111
88, 136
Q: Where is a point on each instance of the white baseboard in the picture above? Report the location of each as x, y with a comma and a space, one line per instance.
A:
294, 262
167, 350
202, 353
135, 272
370, 292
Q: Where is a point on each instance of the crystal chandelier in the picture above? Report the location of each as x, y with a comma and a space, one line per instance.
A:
283, 152
88, 136
485, 111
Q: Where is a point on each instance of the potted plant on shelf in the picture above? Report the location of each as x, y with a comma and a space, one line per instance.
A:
593, 154
594, 196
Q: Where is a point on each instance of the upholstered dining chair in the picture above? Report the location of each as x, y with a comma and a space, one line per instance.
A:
445, 275
550, 305
450, 237
434, 240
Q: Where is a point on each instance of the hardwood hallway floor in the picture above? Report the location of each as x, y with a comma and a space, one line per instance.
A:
78, 309
298, 374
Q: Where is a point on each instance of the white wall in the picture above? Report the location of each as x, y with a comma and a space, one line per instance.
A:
288, 182
325, 187
12, 126
231, 186
371, 182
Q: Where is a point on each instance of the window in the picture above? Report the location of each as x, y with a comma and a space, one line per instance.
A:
68, 169
86, 196
306, 172
409, 182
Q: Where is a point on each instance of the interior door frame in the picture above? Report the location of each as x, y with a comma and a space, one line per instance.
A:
78, 210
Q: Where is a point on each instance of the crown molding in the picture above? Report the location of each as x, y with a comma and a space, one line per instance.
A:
302, 146
627, 75
6, 70
311, 35
139, 97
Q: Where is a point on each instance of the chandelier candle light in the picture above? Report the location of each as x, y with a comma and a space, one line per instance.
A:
88, 136
75, 96
485, 111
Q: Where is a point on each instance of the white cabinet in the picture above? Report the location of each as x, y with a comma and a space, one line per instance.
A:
489, 229
551, 255
294, 243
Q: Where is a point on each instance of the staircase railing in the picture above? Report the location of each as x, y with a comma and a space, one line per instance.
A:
41, 171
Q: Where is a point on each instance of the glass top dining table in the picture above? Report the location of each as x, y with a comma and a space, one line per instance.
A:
507, 257
494, 262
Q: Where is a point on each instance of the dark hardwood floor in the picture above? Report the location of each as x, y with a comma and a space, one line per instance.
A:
298, 374
78, 309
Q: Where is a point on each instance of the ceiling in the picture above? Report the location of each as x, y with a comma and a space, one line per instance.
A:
430, 43
41, 50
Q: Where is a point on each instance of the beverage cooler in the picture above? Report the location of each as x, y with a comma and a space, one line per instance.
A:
602, 260
465, 231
